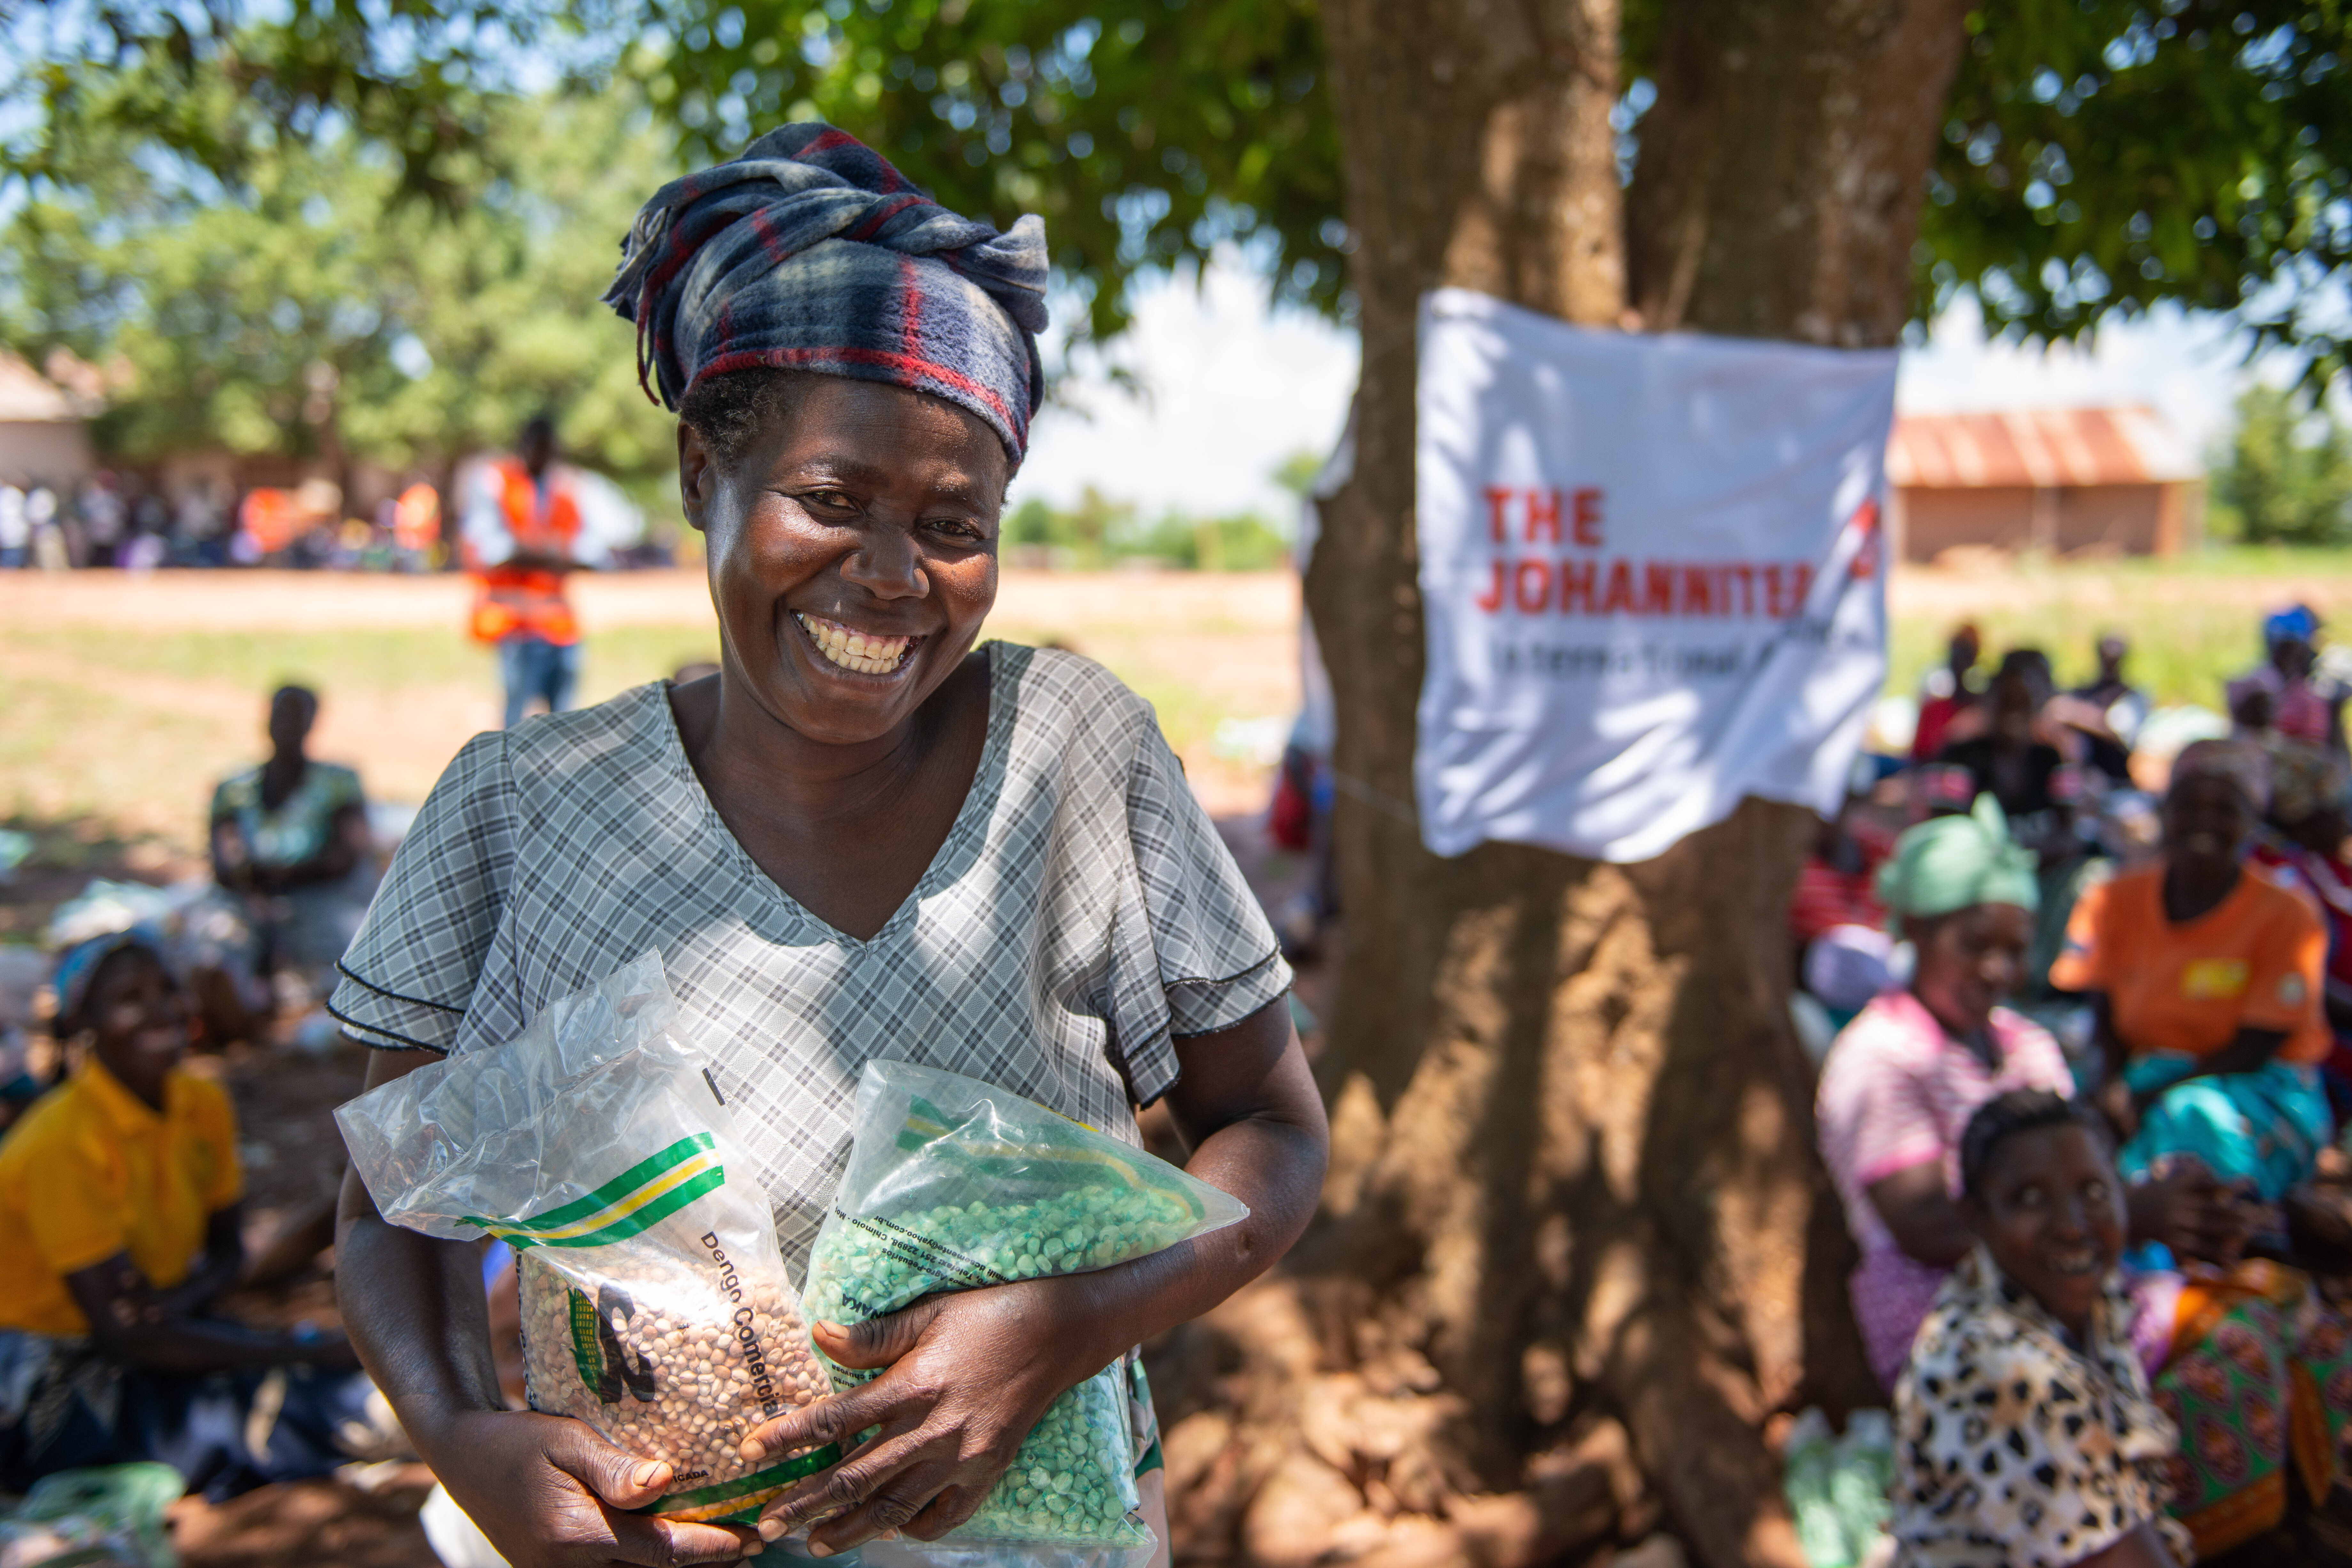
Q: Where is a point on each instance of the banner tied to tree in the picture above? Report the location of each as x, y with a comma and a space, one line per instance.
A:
1651, 570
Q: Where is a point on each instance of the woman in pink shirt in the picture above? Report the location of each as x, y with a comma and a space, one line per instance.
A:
1905, 1077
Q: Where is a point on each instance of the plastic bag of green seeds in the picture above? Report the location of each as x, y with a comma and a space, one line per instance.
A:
954, 1183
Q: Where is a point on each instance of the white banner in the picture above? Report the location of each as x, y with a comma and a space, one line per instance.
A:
1652, 573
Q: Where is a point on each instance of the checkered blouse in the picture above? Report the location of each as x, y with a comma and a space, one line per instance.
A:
1081, 914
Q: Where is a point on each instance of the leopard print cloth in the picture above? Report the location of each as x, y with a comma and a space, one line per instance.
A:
2013, 1448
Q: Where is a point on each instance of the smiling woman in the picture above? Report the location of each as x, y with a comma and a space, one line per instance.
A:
2025, 1431
863, 839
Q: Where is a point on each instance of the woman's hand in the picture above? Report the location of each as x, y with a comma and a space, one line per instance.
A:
2188, 1210
968, 1375
550, 1494
2122, 1108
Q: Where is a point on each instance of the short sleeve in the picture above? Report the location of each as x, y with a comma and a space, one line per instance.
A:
410, 972
347, 792
1203, 941
2080, 963
2284, 989
1875, 1120
74, 1207
213, 1120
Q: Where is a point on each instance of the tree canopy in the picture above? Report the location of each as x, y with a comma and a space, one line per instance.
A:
305, 308
2099, 156
2284, 476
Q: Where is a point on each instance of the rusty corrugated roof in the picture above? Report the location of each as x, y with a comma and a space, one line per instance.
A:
2036, 448
27, 396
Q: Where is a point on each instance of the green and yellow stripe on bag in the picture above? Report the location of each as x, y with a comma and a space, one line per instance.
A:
638, 1199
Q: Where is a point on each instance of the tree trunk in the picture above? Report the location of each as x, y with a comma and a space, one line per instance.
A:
1574, 1195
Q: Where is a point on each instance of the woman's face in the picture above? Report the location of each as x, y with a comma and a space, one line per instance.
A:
852, 551
2050, 1211
139, 1015
2206, 820
1969, 961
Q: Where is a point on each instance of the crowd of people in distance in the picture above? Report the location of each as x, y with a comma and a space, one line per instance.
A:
124, 521
2092, 1040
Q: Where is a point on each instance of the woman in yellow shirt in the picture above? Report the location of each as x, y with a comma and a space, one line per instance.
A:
119, 1208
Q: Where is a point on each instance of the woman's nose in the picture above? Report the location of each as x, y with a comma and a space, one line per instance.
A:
887, 564
2069, 1216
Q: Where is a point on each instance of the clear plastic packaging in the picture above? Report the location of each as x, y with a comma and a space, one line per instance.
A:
655, 1304
954, 1183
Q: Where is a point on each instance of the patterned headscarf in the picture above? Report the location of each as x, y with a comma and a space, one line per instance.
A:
811, 252
2239, 763
79, 966
1954, 862
2302, 783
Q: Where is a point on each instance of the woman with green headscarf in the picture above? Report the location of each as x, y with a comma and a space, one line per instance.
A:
1901, 1080
2253, 1370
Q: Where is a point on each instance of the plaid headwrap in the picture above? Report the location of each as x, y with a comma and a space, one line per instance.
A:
811, 252
2303, 783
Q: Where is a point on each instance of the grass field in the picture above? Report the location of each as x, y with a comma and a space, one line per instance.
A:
125, 699
2192, 623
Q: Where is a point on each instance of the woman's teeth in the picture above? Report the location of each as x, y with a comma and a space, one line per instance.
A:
2074, 1260
863, 652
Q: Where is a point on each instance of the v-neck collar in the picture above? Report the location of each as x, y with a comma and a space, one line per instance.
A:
947, 863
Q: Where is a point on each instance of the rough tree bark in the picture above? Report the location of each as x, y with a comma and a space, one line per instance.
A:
1574, 1196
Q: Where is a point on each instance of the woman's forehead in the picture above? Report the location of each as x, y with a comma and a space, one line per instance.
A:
2036, 1151
126, 965
885, 434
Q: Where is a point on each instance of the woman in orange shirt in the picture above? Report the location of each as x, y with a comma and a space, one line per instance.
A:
2206, 976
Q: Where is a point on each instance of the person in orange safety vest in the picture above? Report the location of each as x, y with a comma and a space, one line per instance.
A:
521, 536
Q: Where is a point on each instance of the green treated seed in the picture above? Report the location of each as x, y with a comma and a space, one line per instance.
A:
1071, 1481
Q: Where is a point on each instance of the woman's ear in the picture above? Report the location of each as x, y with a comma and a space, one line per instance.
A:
697, 476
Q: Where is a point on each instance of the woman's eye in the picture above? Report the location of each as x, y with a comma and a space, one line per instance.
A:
2095, 1191
2029, 1197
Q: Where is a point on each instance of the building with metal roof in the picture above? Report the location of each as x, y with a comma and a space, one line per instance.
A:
2059, 480
42, 438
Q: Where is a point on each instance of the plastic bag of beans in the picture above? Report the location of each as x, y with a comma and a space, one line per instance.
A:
954, 1183
655, 1305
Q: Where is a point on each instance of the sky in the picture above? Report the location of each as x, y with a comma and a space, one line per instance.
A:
1231, 389
1228, 390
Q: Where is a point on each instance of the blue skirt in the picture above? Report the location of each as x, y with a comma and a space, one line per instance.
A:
2265, 1128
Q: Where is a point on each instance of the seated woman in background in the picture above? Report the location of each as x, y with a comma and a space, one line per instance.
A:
2025, 1433
2303, 848
1905, 1077
2207, 978
291, 836
2011, 759
119, 1211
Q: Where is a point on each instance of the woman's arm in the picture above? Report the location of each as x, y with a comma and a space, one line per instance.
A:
547, 1490
2143, 1547
2251, 1051
217, 1271
1919, 1212
970, 1374
131, 1323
